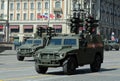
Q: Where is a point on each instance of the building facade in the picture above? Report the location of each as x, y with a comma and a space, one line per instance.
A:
110, 18
107, 11
26, 15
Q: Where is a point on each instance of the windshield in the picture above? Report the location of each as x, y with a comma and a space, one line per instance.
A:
37, 41
69, 41
55, 42
111, 41
28, 41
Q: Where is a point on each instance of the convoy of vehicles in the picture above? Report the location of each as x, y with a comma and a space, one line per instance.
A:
28, 48
110, 44
67, 51
70, 52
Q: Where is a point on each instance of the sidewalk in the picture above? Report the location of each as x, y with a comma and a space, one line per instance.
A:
8, 52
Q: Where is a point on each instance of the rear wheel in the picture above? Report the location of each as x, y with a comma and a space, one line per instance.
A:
96, 65
20, 58
69, 66
40, 69
117, 48
106, 47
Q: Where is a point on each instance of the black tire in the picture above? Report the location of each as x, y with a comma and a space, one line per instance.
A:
110, 47
40, 69
96, 65
106, 48
69, 66
117, 48
20, 58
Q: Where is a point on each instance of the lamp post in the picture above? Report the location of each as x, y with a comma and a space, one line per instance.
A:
7, 23
49, 14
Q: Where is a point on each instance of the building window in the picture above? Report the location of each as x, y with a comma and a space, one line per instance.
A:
32, 5
18, 6
39, 5
2, 5
11, 6
58, 10
11, 16
25, 6
57, 4
18, 16
57, 15
25, 16
14, 29
31, 16
58, 28
28, 28
46, 5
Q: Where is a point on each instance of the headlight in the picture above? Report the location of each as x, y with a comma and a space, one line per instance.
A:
18, 49
62, 55
32, 50
37, 54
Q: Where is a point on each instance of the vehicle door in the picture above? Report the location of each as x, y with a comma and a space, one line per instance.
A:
86, 49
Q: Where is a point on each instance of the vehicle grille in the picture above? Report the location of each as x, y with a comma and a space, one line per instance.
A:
25, 50
49, 56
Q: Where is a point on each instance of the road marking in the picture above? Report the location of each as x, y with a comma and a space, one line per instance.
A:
26, 77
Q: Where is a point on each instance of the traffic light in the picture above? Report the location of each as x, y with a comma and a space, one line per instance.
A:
39, 31
91, 24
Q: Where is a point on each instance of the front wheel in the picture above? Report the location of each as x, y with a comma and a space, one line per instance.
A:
96, 65
20, 58
69, 66
106, 48
40, 69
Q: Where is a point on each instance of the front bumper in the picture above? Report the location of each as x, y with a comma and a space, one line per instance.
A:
48, 63
49, 59
28, 54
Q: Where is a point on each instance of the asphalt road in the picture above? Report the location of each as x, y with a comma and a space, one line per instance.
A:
13, 70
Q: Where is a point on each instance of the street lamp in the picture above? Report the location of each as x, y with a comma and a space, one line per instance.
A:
7, 23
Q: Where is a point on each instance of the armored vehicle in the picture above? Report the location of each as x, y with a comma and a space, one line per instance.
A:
110, 44
29, 47
70, 52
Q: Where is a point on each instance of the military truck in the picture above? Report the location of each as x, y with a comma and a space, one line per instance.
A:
28, 48
70, 52
111, 44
